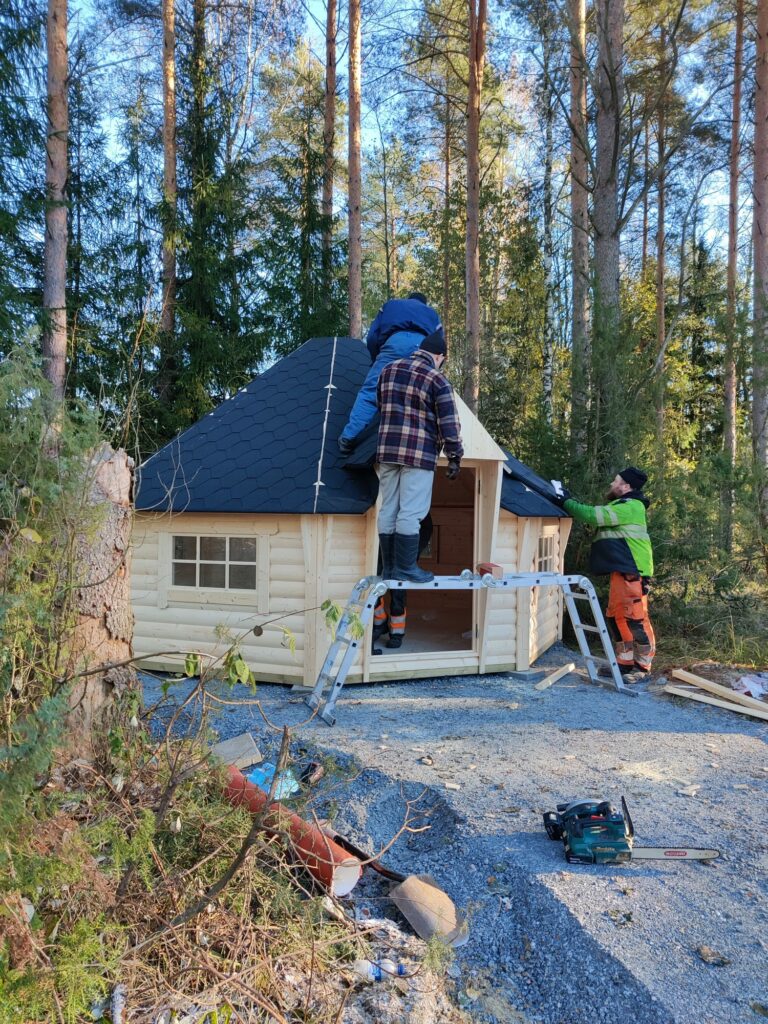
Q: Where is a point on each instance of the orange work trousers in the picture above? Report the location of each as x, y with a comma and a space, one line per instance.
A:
627, 616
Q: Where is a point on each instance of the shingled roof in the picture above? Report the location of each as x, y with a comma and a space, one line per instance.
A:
271, 448
522, 491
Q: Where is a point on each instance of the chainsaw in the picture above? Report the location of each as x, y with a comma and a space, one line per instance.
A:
595, 832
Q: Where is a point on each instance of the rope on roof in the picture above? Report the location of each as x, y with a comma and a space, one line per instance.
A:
330, 388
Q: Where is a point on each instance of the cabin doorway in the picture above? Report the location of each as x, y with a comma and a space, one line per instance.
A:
444, 620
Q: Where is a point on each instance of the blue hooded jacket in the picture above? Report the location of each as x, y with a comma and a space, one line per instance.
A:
410, 315
399, 328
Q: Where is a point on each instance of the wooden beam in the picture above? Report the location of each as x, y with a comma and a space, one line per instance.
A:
679, 691
554, 676
719, 690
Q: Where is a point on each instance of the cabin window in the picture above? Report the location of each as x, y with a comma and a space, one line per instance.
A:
215, 563
545, 558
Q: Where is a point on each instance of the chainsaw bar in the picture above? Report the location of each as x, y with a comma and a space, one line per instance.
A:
672, 853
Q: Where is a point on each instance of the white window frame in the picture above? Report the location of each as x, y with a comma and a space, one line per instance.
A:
180, 594
546, 561
198, 561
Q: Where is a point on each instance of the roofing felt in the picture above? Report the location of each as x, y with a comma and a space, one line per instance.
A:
522, 492
271, 448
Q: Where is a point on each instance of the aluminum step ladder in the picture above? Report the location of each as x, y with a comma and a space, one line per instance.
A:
351, 630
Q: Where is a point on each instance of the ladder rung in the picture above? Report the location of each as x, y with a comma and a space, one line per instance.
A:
588, 629
578, 597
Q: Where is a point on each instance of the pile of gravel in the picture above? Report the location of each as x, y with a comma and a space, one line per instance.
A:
550, 942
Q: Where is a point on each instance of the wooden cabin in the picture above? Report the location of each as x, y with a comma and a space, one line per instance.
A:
252, 517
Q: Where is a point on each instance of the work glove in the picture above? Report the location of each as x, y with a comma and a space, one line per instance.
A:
561, 495
345, 445
454, 465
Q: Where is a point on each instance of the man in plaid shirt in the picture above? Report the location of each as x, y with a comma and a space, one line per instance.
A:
418, 419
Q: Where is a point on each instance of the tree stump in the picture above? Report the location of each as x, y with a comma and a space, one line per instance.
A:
104, 631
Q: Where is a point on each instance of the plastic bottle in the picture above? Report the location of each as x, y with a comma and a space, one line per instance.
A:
378, 970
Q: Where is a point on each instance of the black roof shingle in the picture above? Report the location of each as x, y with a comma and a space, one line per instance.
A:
271, 448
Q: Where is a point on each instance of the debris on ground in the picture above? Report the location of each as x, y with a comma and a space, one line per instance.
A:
240, 751
708, 692
549, 942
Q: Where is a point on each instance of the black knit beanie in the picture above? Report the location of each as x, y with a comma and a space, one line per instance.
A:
419, 297
435, 343
635, 477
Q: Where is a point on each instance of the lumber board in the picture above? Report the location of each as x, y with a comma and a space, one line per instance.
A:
241, 751
679, 691
554, 676
719, 690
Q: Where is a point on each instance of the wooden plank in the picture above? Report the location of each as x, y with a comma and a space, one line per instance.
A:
554, 676
241, 751
527, 539
720, 691
679, 691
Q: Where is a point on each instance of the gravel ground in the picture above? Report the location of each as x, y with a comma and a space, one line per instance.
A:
551, 942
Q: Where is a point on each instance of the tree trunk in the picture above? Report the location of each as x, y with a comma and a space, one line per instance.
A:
105, 626
329, 142
168, 312
760, 258
477, 24
447, 219
661, 324
54, 340
646, 161
610, 92
729, 420
548, 248
355, 181
580, 340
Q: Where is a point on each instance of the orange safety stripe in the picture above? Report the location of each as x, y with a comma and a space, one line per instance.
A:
397, 624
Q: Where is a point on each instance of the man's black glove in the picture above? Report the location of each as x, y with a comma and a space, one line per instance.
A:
345, 445
561, 498
454, 465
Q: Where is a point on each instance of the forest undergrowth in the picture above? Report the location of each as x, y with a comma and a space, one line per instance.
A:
103, 895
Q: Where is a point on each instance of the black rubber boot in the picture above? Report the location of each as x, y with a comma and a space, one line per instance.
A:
387, 548
395, 641
406, 553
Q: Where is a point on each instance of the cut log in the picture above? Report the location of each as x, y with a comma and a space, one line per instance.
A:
679, 691
554, 676
719, 690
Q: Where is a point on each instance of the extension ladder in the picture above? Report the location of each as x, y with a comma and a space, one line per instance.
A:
365, 594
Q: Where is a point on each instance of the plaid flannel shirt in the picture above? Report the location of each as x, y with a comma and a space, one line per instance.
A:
418, 414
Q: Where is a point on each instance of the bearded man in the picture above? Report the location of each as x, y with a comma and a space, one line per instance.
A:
622, 549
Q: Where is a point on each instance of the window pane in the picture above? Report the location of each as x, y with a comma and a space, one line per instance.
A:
213, 549
242, 549
184, 574
242, 577
214, 575
185, 547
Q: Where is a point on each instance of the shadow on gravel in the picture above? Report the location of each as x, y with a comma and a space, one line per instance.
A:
526, 950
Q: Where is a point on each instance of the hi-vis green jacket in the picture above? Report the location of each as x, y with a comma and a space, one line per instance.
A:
622, 543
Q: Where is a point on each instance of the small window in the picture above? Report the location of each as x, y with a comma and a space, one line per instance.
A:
215, 563
545, 558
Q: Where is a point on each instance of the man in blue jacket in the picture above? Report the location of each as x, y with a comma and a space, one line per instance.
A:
399, 328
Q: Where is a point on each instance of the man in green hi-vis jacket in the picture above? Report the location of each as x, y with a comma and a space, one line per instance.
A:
622, 549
